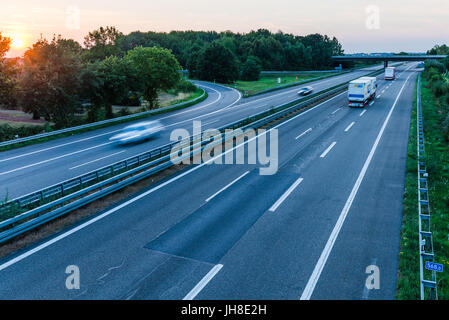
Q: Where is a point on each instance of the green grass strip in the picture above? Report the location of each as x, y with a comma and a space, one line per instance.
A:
437, 162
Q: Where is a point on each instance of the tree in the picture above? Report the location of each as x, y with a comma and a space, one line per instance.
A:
439, 49
5, 44
102, 43
8, 74
157, 68
107, 82
193, 59
218, 63
50, 83
251, 69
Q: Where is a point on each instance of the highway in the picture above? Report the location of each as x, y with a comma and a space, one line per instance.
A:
31, 168
226, 232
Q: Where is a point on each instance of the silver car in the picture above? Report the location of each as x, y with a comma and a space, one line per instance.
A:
305, 91
138, 132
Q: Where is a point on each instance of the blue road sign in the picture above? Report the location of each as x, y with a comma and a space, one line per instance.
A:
434, 266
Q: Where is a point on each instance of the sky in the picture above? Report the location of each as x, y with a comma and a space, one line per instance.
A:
360, 25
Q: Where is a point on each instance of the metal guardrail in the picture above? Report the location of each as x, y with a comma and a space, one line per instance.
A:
427, 278
98, 123
37, 208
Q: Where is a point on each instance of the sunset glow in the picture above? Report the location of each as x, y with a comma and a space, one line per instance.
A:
17, 43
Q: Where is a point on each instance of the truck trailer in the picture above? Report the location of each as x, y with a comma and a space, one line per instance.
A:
390, 73
361, 91
372, 86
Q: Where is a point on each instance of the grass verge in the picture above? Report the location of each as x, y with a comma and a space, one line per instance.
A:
269, 82
437, 162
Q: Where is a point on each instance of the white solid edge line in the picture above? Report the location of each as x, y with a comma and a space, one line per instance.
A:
308, 130
285, 195
310, 287
227, 186
328, 149
86, 163
349, 127
200, 285
362, 113
142, 195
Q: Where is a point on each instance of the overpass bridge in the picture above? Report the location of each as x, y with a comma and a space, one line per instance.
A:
387, 57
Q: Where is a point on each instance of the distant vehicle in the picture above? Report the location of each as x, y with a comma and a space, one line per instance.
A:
390, 73
305, 91
361, 91
138, 132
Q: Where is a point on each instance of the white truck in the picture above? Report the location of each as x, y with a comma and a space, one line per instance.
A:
390, 73
361, 91
372, 88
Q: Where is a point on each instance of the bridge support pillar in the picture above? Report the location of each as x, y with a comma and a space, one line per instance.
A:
385, 63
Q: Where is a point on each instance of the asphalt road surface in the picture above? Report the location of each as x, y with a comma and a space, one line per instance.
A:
34, 167
212, 231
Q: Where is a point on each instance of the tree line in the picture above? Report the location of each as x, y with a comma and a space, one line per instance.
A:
57, 77
239, 55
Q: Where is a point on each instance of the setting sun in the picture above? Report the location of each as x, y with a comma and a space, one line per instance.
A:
17, 43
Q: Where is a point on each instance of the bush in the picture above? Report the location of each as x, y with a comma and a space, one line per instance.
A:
132, 99
96, 114
435, 78
439, 88
445, 126
185, 86
8, 132
124, 112
435, 64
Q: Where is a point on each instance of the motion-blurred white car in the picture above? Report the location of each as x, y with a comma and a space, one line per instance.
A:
305, 91
138, 132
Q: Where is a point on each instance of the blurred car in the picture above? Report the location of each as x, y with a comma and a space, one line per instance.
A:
138, 132
305, 91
